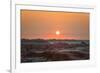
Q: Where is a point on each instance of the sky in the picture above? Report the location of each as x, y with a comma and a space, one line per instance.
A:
37, 24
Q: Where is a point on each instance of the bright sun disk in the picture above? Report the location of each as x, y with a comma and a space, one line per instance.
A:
57, 32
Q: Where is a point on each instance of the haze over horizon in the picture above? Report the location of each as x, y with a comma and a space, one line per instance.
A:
54, 25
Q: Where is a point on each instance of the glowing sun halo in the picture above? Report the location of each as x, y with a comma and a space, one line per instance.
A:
57, 32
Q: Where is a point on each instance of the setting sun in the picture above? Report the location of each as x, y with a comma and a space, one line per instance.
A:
57, 32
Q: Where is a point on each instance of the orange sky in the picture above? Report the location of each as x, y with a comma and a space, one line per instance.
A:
44, 24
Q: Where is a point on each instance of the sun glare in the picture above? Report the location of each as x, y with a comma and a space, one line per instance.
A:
57, 32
